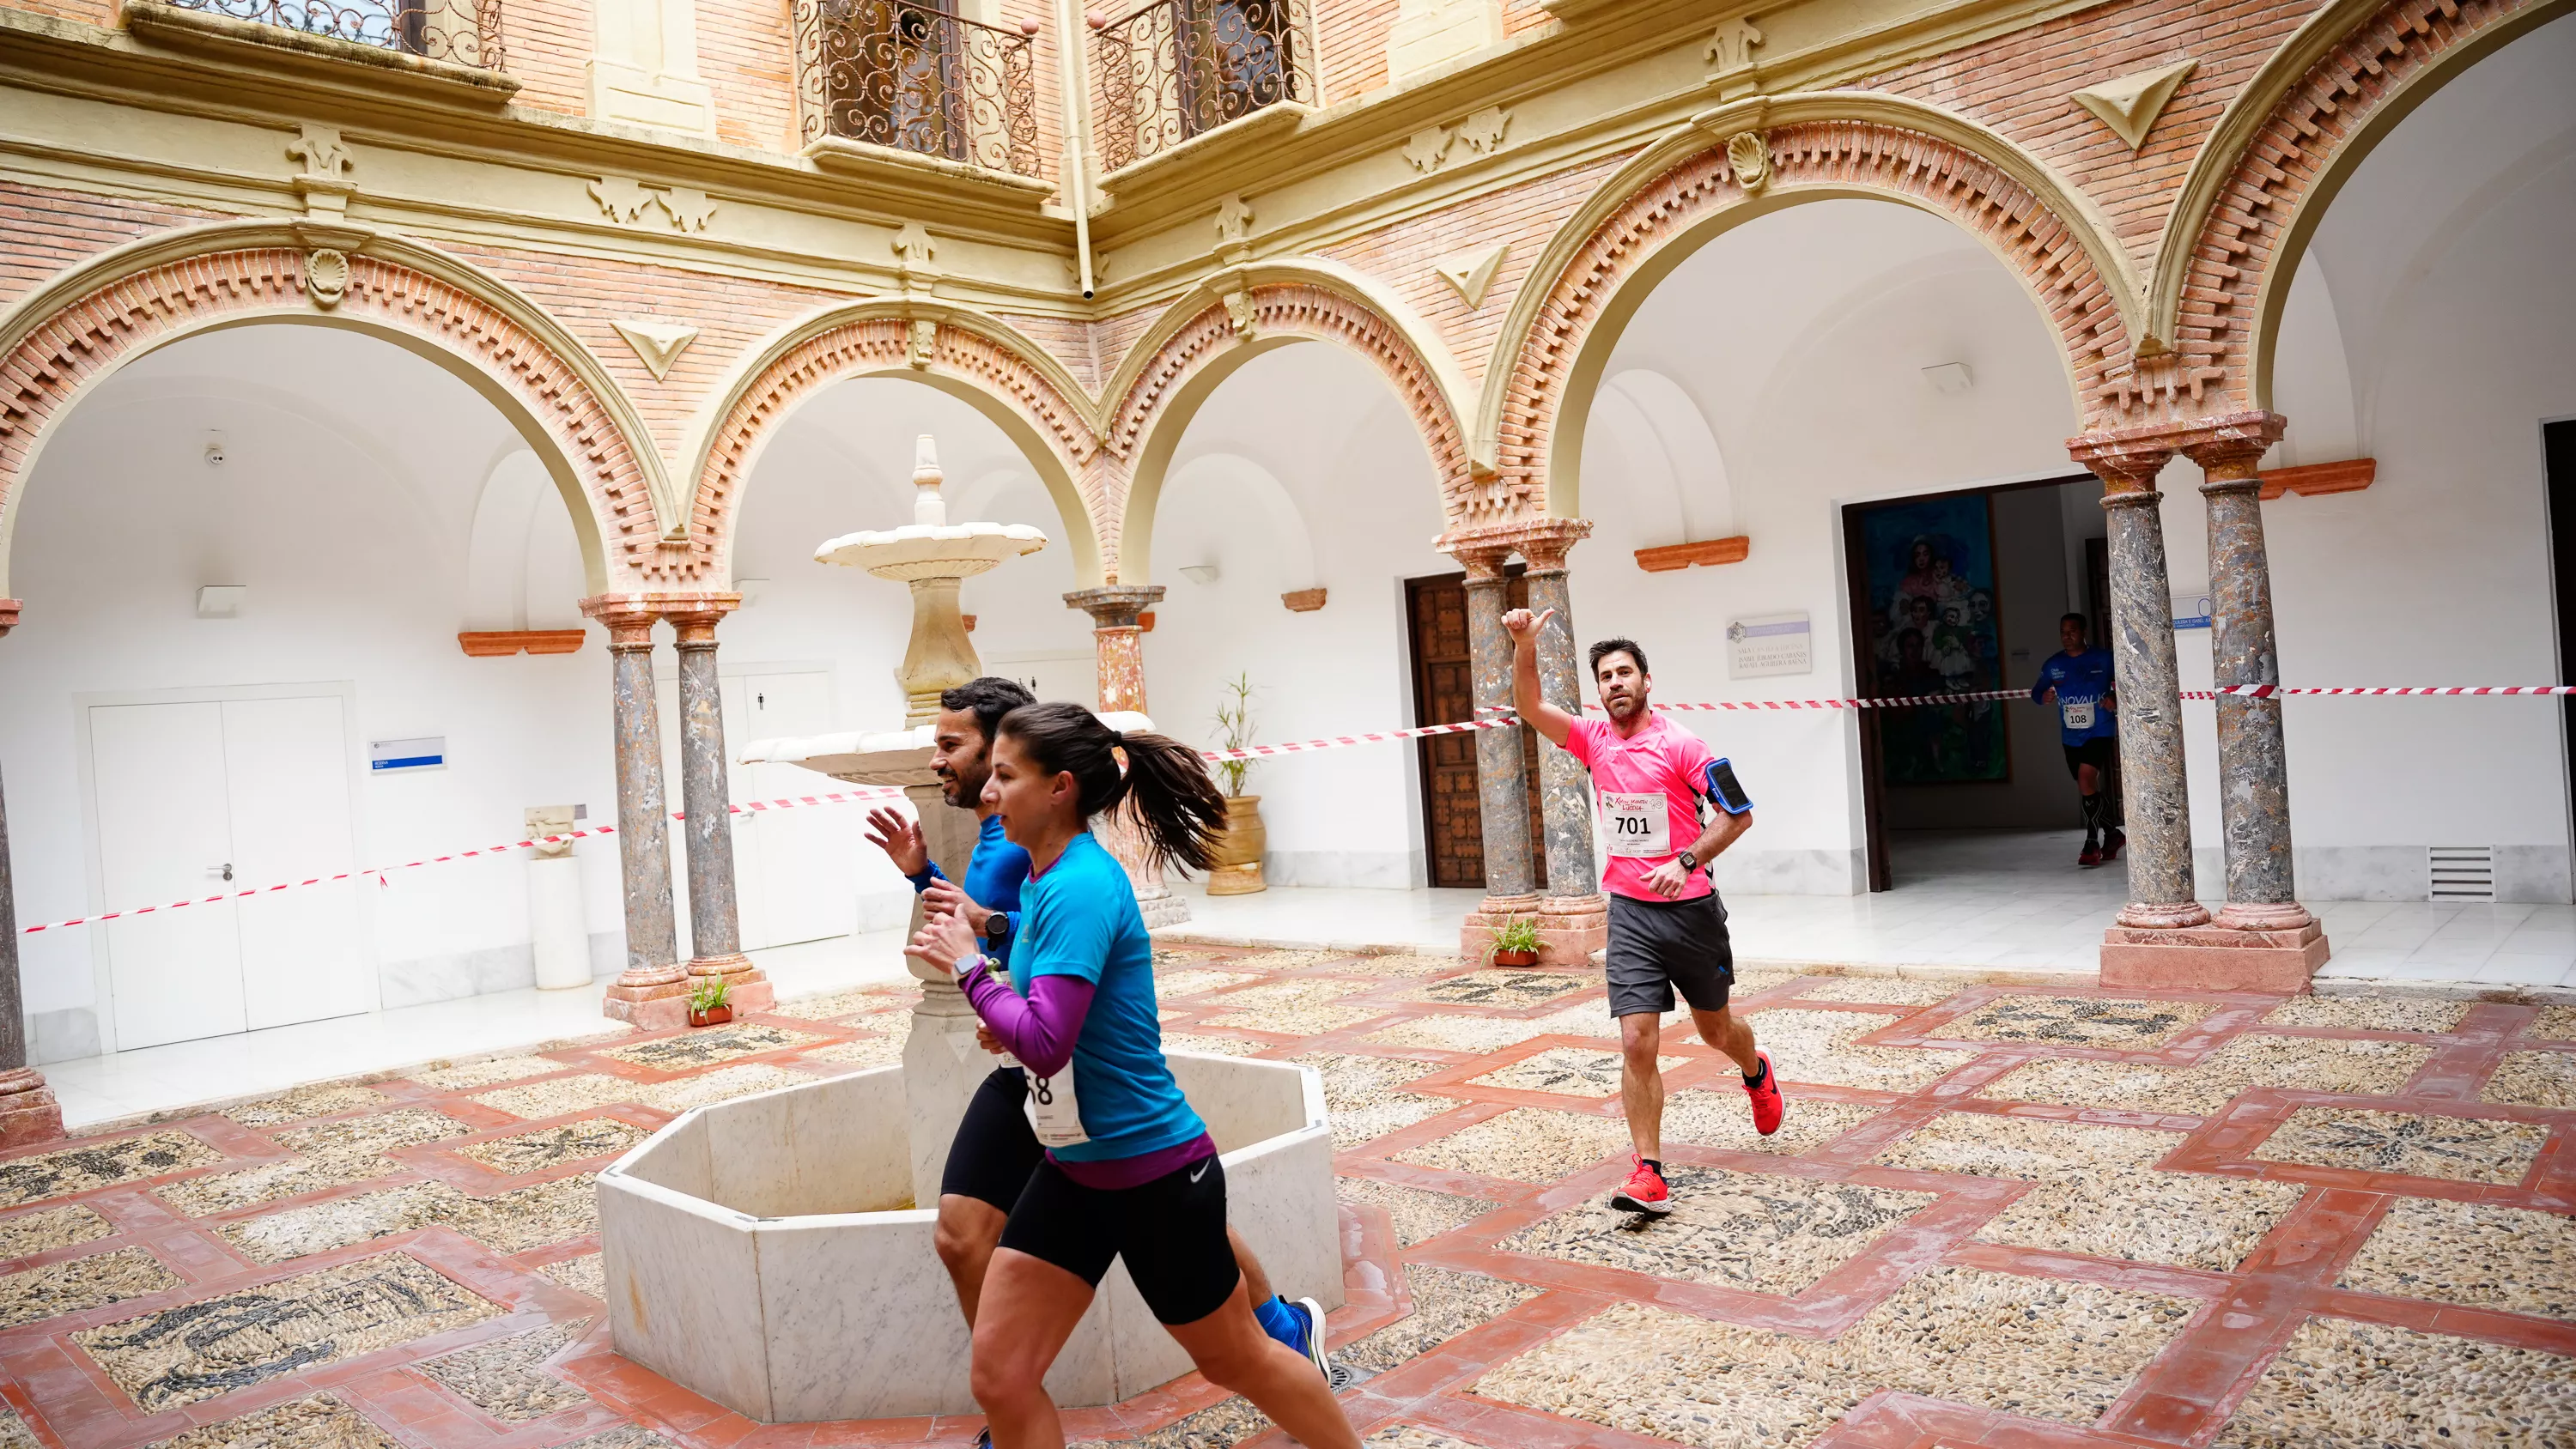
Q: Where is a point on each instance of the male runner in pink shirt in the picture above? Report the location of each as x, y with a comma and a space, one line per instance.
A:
1667, 926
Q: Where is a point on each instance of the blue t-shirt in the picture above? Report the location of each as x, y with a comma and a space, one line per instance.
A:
1079, 918
2083, 685
995, 874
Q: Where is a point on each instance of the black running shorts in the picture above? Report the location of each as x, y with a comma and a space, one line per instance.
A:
1171, 1231
1658, 945
2101, 753
995, 1149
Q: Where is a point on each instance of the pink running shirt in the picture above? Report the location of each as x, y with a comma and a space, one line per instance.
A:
1641, 783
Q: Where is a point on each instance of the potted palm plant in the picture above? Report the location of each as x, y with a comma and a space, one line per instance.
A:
707, 1004
1238, 856
1516, 944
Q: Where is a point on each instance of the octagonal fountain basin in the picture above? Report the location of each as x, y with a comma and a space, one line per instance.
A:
764, 1252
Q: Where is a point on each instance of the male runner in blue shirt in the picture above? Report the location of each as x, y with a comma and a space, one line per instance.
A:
2078, 681
996, 1150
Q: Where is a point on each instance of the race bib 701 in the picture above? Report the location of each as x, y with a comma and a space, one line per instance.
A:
1636, 825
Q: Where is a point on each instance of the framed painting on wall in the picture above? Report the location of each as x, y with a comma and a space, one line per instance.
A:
1932, 617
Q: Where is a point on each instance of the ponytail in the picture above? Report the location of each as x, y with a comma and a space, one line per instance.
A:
1165, 786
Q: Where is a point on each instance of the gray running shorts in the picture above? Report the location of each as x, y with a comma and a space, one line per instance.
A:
1658, 945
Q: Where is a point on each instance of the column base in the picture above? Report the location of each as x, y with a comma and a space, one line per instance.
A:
655, 1000
746, 987
1162, 908
28, 1112
2213, 958
1571, 928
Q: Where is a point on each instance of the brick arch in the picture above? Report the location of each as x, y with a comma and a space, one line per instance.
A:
2331, 93
1206, 336
1564, 329
966, 354
71, 334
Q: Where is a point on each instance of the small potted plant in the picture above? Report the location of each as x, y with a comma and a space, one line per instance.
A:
1238, 853
1516, 944
707, 1004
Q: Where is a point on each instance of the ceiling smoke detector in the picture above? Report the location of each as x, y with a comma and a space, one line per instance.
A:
1949, 378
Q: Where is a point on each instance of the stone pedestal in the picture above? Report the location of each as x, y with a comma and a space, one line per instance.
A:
2213, 958
28, 1112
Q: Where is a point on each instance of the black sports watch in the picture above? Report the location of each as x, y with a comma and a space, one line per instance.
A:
1688, 860
997, 925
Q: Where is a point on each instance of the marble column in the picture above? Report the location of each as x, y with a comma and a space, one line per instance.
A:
715, 921
1118, 639
2152, 776
28, 1111
2254, 787
1502, 790
652, 991
1575, 919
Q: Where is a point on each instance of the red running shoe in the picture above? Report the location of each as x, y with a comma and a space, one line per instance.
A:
2111, 844
1644, 1192
1767, 1106
2090, 857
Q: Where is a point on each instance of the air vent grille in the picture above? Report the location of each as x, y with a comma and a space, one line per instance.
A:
2460, 872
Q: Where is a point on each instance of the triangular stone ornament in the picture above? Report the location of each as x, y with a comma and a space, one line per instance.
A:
2130, 105
658, 343
1472, 272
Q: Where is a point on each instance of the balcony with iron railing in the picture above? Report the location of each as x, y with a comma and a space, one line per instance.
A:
1172, 70
463, 33
913, 76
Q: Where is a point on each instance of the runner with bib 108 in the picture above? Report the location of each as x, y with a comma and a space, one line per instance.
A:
1667, 926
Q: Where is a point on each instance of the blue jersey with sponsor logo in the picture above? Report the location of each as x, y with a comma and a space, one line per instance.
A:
2083, 685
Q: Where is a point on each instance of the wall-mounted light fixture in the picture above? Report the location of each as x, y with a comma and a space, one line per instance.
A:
221, 601
1950, 378
1205, 573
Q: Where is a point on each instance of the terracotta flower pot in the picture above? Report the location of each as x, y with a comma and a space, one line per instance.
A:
712, 1016
1238, 853
1515, 958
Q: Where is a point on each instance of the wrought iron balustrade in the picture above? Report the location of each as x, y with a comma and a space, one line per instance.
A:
1175, 68
912, 75
466, 32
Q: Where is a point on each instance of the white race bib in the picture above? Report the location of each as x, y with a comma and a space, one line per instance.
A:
1053, 1110
1637, 825
2077, 714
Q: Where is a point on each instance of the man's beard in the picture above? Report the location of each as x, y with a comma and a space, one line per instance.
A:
953, 787
1625, 706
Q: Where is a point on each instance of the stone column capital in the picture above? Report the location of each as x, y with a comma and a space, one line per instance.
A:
695, 623
1546, 542
2231, 451
1115, 606
9, 614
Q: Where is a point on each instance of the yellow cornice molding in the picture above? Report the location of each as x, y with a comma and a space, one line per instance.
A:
1710, 130
104, 269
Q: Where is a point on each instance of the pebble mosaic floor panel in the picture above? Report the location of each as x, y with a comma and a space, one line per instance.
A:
2063, 1220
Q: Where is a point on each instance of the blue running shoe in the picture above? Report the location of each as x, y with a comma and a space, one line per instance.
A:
1310, 1315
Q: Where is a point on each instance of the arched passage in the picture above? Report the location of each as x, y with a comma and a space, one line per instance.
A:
70, 335
1207, 336
967, 355
2288, 143
1768, 155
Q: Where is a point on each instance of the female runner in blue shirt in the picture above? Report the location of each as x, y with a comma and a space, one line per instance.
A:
1132, 1172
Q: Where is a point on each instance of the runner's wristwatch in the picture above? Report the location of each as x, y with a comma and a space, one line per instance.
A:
1689, 861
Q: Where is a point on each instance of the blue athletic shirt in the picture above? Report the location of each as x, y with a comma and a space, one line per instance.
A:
1079, 918
2080, 679
995, 874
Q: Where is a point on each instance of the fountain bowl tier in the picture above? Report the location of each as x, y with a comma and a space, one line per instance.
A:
932, 551
764, 1252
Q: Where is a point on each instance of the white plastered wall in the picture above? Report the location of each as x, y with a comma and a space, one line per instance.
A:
1344, 498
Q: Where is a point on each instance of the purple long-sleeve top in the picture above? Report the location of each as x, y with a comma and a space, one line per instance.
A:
1039, 1028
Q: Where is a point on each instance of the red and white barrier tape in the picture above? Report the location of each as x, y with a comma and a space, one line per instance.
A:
1492, 720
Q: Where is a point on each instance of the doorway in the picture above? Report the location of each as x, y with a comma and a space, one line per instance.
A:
1961, 593
195, 797
1453, 818
2558, 462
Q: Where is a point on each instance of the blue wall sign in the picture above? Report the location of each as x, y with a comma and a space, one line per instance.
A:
429, 752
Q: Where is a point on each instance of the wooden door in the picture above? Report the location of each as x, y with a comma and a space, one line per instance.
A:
1444, 693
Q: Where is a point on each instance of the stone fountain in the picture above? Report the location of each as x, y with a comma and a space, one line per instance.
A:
774, 1252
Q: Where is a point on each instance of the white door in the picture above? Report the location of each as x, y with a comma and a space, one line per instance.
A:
165, 834
802, 866
286, 767
258, 788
